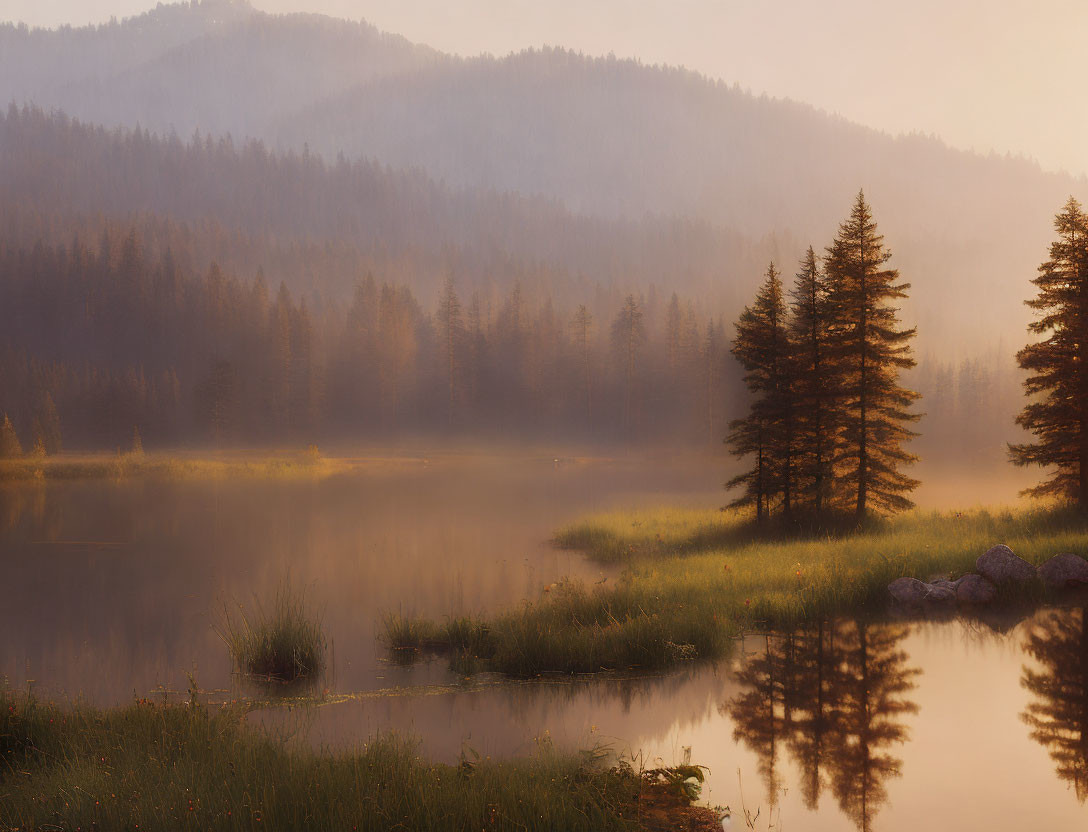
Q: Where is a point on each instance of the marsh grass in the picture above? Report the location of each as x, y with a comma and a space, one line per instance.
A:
695, 578
282, 642
467, 640
171, 767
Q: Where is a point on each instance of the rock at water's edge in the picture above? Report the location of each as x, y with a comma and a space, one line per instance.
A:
999, 565
908, 590
975, 589
1064, 570
912, 591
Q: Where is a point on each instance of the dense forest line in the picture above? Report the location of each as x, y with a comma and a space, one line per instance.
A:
118, 341
114, 335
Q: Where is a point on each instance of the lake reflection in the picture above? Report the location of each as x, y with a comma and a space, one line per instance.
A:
834, 696
110, 589
1058, 712
846, 725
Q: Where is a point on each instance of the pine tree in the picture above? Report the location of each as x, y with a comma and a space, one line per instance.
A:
1059, 365
583, 325
38, 451
10, 447
50, 425
869, 352
628, 336
762, 346
710, 355
673, 323
810, 327
451, 334
217, 399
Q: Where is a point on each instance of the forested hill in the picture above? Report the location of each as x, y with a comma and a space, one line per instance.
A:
220, 66
603, 137
320, 227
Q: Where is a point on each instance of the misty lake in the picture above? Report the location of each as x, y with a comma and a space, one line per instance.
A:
112, 589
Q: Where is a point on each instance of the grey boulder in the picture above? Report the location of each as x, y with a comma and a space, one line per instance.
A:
911, 591
999, 565
975, 589
1064, 570
908, 590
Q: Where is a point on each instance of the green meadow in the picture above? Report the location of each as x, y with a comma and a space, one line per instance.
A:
692, 579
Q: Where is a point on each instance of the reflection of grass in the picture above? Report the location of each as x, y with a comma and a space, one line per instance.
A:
151, 766
282, 643
694, 578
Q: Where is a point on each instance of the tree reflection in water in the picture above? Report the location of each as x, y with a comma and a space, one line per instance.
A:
833, 695
1058, 641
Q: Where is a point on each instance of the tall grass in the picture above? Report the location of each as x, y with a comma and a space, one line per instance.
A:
283, 642
694, 578
152, 766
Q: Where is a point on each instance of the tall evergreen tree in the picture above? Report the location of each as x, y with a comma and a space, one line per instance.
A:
451, 334
762, 346
870, 350
1059, 364
710, 355
628, 336
673, 324
583, 325
217, 399
10, 446
810, 327
50, 425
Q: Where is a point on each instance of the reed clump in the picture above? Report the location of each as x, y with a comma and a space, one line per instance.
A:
279, 642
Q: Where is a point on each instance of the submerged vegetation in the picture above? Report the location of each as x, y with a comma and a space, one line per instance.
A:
695, 578
155, 766
280, 643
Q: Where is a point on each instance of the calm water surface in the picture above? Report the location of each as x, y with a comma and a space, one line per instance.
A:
111, 590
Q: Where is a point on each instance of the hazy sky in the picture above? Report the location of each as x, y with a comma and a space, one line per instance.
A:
1006, 74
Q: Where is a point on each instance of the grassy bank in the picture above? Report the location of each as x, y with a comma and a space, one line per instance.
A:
160, 767
694, 578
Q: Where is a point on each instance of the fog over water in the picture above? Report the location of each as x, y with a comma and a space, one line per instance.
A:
368, 299
121, 583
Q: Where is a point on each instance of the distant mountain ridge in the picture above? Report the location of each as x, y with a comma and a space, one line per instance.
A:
218, 66
603, 137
